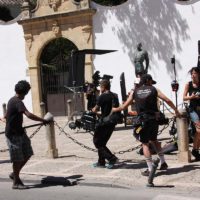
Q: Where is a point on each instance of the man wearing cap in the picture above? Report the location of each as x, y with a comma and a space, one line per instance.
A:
145, 97
139, 57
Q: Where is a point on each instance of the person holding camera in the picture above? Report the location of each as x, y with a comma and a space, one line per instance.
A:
192, 94
18, 142
103, 131
145, 97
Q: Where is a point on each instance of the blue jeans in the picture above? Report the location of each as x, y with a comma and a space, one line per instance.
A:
195, 116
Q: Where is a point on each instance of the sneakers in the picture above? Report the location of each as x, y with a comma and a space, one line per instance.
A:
98, 165
145, 173
19, 186
196, 154
154, 165
111, 163
163, 166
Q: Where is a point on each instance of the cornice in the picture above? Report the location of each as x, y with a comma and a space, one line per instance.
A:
83, 12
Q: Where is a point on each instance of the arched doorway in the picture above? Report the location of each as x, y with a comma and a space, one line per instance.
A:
55, 71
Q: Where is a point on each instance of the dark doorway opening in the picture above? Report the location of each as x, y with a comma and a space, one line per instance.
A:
56, 67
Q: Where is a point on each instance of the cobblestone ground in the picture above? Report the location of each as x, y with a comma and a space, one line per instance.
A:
74, 160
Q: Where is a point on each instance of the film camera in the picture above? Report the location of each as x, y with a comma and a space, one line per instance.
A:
96, 78
87, 121
91, 88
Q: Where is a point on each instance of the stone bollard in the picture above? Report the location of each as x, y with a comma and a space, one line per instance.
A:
69, 109
52, 151
184, 154
42, 109
4, 109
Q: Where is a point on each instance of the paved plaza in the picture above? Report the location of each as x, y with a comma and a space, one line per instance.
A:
75, 162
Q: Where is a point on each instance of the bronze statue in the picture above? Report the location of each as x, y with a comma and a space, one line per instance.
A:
139, 57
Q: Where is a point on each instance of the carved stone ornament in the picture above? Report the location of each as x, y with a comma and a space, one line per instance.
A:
29, 40
54, 4
56, 29
76, 2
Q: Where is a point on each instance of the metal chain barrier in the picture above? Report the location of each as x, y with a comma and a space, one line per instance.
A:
31, 136
85, 146
71, 138
4, 150
35, 132
89, 148
166, 126
128, 150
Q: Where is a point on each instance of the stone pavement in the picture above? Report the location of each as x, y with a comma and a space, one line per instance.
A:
75, 162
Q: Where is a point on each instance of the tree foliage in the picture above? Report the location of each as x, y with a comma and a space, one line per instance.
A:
110, 2
101, 2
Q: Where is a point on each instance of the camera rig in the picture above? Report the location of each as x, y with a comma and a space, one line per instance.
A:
88, 119
91, 88
96, 78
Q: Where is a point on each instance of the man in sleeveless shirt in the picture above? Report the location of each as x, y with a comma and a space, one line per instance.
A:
145, 97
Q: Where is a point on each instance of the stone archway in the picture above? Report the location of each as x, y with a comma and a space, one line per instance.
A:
49, 21
55, 68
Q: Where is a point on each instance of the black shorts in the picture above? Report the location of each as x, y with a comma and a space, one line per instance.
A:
149, 131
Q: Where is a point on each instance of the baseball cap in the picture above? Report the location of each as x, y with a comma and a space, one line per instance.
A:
146, 77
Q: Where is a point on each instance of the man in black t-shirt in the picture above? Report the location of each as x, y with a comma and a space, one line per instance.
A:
102, 134
19, 144
145, 97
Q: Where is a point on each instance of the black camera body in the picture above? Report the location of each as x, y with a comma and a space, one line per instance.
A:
96, 78
87, 121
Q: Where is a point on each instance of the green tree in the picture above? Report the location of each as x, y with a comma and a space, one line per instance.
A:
110, 2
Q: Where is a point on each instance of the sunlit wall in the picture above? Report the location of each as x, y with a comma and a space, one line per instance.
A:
165, 28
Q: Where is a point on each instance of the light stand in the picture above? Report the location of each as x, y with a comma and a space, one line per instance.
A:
198, 62
175, 87
174, 84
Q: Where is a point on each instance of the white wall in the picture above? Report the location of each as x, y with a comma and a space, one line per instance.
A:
13, 62
164, 27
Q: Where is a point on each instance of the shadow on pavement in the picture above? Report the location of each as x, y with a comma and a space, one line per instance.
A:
4, 161
163, 186
178, 170
57, 181
130, 164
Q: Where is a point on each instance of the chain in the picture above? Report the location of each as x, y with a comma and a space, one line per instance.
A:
74, 140
165, 126
89, 148
128, 150
4, 150
31, 136
35, 132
